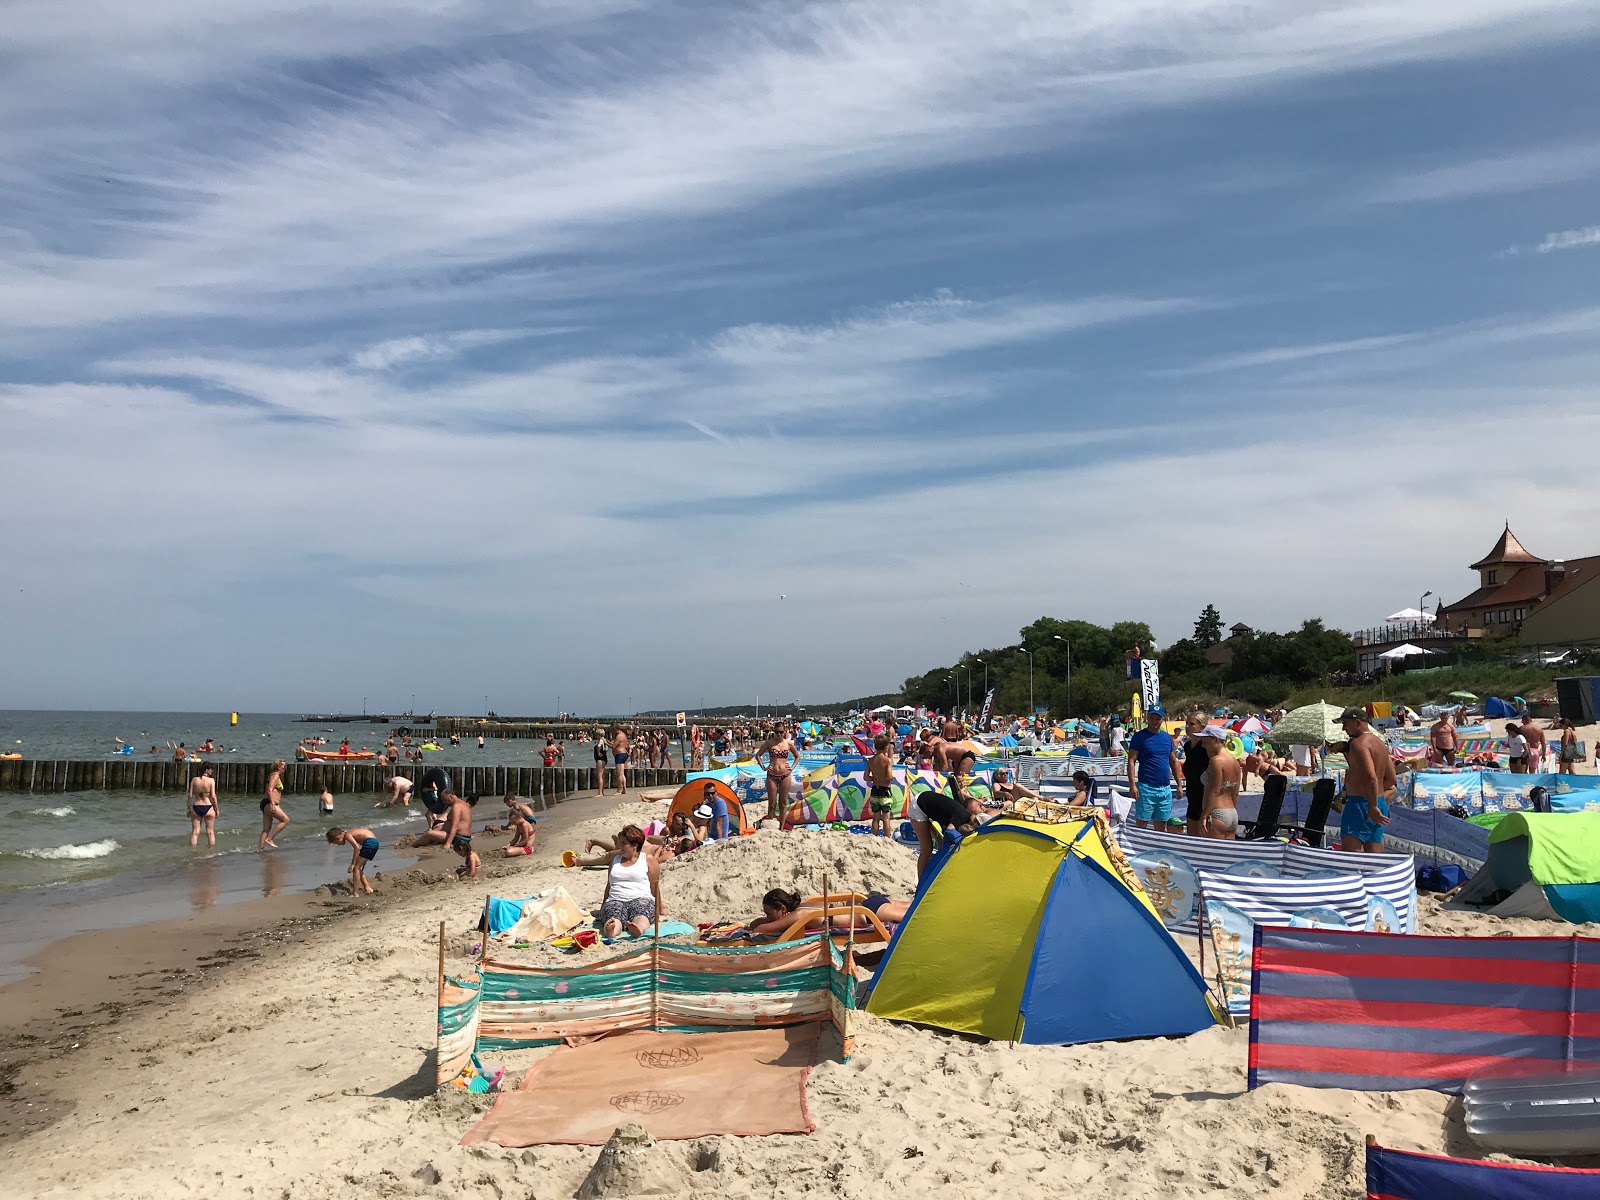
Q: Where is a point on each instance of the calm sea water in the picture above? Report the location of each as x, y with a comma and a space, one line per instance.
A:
59, 838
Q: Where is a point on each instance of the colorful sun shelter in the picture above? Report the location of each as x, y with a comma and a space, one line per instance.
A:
1540, 865
1038, 933
831, 795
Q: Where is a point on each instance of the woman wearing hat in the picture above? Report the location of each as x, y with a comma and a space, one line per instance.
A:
1219, 816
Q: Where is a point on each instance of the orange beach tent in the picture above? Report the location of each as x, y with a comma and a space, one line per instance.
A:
689, 796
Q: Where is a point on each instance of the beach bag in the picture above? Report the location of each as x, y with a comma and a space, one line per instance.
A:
1440, 877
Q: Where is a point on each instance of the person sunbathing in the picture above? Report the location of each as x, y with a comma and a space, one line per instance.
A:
1007, 790
780, 909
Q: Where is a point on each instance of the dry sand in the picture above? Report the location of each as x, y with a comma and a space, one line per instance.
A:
306, 1073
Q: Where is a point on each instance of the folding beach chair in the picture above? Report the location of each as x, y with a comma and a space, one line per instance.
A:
1322, 796
1265, 826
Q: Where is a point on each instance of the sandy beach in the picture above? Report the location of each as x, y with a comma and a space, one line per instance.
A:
284, 1048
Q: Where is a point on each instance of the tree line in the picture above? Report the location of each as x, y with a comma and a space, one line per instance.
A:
1257, 667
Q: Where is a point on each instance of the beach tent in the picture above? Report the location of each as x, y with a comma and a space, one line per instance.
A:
1494, 707
1038, 933
690, 795
1540, 865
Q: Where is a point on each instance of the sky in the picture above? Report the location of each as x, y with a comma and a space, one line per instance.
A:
611, 355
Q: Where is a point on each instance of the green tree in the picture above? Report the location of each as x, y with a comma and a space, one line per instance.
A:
1208, 626
1183, 656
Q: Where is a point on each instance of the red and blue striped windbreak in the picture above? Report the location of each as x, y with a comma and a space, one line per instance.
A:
1400, 1175
1383, 1012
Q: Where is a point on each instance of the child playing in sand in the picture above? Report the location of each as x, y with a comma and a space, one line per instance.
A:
880, 775
470, 862
524, 829
365, 844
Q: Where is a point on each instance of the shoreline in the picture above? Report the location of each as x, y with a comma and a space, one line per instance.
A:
81, 986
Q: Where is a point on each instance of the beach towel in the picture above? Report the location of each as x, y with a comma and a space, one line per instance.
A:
543, 917
676, 1085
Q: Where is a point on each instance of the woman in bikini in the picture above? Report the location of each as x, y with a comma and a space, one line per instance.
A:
780, 754
1220, 815
203, 807
1568, 751
273, 819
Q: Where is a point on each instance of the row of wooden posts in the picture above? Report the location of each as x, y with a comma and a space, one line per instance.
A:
250, 778
524, 730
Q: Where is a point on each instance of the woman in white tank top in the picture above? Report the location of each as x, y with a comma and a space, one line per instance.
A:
633, 887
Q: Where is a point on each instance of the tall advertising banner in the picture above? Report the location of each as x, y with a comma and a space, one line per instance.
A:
1149, 683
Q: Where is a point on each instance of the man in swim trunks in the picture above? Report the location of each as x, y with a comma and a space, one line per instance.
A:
1152, 767
1536, 744
365, 845
1368, 781
203, 807
397, 791
1443, 737
619, 758
781, 757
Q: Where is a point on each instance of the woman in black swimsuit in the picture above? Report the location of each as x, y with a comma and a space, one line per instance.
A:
600, 764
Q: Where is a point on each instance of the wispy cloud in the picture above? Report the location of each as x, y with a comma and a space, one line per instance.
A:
1569, 239
1523, 171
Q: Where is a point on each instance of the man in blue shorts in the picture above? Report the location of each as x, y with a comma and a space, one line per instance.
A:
1368, 783
1152, 766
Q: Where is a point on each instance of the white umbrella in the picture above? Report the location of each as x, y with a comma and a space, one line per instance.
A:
883, 708
1410, 614
1405, 650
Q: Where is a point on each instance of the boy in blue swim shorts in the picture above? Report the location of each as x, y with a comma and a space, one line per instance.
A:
365, 844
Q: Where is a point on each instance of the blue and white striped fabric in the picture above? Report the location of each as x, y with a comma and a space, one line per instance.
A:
1392, 876
1169, 866
1278, 901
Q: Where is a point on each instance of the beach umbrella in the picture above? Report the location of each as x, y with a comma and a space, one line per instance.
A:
1464, 695
1311, 725
1406, 650
1410, 614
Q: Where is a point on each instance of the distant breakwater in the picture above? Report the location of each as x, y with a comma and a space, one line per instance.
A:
250, 778
512, 728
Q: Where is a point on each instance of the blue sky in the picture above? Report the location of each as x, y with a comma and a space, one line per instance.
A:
645, 352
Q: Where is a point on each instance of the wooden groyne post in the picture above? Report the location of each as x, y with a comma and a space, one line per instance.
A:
250, 778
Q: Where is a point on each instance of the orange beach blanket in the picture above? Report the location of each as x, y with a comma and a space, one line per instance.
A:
676, 1085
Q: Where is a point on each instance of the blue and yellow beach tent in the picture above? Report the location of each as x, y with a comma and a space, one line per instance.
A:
1027, 932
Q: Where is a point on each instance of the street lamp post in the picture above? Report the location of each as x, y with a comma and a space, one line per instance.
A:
1059, 638
985, 677
1029, 653
1422, 610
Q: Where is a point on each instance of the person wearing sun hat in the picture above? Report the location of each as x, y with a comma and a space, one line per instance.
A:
1220, 815
1368, 782
1152, 766
711, 816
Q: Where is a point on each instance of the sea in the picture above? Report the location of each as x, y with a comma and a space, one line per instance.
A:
76, 861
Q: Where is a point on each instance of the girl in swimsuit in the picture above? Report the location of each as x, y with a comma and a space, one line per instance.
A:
273, 819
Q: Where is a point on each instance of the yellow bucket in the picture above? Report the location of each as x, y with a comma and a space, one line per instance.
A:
569, 858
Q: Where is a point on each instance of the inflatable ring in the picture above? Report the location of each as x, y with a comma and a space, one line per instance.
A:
1235, 746
569, 858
